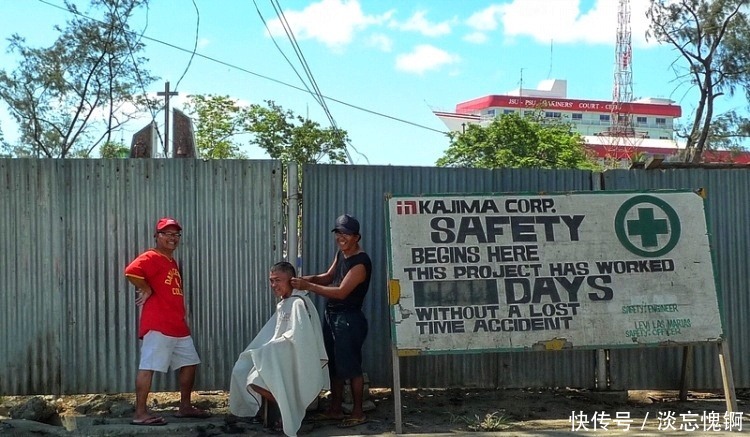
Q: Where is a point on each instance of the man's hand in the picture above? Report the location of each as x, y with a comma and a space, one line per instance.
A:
142, 296
301, 284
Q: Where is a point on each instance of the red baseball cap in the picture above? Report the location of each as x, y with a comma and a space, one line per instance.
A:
167, 221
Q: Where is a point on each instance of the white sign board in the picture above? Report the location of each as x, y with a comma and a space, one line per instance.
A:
576, 270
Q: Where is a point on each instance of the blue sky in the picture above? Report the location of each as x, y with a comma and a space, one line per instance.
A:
398, 58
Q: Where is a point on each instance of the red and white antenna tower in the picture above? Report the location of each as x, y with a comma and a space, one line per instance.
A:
621, 120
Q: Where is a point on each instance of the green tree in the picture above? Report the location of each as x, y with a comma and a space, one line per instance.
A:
514, 141
111, 150
5, 148
713, 38
222, 125
292, 138
219, 121
71, 96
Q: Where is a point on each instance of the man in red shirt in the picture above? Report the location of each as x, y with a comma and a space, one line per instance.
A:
163, 325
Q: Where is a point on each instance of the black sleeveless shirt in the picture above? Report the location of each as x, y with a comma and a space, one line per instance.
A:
354, 300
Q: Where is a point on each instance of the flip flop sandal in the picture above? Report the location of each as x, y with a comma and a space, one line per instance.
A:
352, 421
150, 421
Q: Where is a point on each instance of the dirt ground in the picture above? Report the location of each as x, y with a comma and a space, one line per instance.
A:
423, 411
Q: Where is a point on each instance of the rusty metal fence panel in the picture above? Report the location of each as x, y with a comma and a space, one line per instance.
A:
31, 252
729, 228
330, 190
69, 227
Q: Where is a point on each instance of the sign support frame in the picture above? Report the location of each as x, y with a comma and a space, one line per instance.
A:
601, 354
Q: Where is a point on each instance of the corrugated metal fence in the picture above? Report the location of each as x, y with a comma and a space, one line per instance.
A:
728, 213
332, 190
68, 228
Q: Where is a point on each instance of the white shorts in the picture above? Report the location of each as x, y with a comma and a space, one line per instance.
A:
161, 352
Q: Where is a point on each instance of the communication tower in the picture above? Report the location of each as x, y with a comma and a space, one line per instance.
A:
622, 135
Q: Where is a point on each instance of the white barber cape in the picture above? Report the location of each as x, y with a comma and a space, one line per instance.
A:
288, 358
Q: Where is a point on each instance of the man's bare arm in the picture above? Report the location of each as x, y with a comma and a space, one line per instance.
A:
143, 289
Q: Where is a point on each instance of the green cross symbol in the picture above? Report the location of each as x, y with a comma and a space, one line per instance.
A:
647, 227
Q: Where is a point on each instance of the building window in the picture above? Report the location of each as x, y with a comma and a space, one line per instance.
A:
640, 120
661, 121
528, 113
508, 111
552, 114
604, 117
577, 116
491, 112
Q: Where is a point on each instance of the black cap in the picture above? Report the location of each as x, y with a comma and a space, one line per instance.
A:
346, 224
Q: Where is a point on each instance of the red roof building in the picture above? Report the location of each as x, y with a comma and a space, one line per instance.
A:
653, 120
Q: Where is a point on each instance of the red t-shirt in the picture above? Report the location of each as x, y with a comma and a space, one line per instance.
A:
164, 310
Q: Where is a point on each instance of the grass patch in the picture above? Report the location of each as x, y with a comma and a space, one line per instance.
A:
490, 422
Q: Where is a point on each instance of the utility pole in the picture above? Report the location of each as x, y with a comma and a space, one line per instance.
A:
166, 95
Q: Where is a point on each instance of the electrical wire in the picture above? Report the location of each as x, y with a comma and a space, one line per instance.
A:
261, 76
137, 71
262, 19
301, 57
317, 95
308, 71
140, 78
195, 45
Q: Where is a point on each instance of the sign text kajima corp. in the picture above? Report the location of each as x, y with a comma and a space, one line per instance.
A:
582, 270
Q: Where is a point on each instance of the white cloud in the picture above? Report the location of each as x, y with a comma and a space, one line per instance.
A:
203, 42
561, 21
476, 37
381, 42
639, 23
332, 22
418, 23
486, 19
425, 58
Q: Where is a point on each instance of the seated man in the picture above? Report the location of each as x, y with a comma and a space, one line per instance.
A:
286, 362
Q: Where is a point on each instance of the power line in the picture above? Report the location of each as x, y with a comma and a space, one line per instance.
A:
244, 70
195, 45
301, 58
138, 37
308, 71
262, 19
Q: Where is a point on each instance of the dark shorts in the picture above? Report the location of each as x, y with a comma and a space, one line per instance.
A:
343, 334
